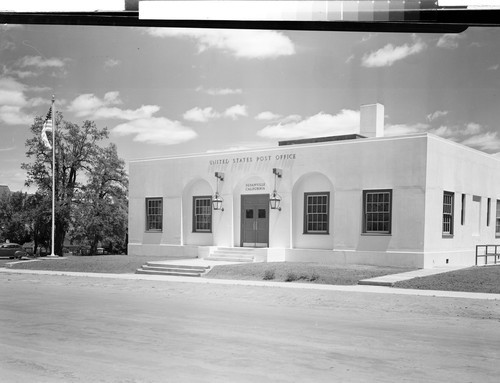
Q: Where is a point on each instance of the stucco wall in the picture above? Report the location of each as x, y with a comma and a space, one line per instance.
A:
458, 169
343, 168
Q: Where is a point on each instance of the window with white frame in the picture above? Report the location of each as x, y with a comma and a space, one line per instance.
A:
448, 198
377, 211
202, 214
154, 214
497, 221
316, 213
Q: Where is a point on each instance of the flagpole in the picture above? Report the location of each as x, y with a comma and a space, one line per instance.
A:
52, 254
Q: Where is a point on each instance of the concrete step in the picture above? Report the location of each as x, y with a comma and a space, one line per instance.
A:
175, 269
170, 273
155, 268
231, 254
229, 259
237, 249
220, 254
170, 265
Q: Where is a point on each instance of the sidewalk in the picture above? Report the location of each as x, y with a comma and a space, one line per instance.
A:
391, 279
289, 285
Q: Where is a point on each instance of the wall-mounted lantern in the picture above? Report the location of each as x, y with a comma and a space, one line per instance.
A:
275, 198
217, 199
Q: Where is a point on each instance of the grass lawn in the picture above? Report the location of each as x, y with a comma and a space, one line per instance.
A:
485, 279
481, 279
285, 272
116, 264
302, 272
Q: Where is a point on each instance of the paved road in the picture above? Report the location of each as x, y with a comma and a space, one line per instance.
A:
77, 329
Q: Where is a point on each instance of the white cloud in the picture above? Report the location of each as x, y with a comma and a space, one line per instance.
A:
437, 114
40, 62
402, 129
267, 116
448, 41
12, 92
23, 73
221, 91
472, 128
110, 63
201, 115
484, 141
390, 54
250, 44
471, 135
236, 111
494, 67
349, 59
321, 124
446, 132
13, 101
90, 106
13, 115
291, 118
156, 130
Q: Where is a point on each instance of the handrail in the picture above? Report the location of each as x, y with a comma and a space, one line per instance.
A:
495, 254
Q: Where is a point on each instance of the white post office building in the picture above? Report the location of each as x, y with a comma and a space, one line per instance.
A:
415, 200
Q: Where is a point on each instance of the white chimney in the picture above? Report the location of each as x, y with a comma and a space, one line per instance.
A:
371, 120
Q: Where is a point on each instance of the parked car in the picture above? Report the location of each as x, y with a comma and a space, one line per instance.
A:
12, 250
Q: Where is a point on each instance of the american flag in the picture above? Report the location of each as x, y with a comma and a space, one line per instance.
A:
47, 127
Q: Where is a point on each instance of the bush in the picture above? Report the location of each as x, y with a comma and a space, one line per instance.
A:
269, 274
291, 276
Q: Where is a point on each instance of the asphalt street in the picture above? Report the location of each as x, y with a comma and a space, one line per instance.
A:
85, 329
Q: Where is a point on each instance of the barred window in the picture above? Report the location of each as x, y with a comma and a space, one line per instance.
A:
316, 213
448, 198
377, 211
202, 214
154, 214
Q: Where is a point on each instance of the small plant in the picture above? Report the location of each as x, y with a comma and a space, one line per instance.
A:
269, 274
291, 276
314, 276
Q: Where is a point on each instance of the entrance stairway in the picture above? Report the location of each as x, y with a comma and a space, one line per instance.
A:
233, 254
153, 268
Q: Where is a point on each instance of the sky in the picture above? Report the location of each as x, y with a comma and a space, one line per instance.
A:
166, 92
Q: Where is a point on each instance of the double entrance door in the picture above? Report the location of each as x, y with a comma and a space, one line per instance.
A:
255, 220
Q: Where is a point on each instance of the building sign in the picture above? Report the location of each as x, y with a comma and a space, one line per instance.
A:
254, 159
255, 186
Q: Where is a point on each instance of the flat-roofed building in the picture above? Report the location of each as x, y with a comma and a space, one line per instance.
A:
415, 200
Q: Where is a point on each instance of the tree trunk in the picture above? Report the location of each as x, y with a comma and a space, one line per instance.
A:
60, 234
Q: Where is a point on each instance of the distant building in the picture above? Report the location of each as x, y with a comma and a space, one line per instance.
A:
4, 191
416, 200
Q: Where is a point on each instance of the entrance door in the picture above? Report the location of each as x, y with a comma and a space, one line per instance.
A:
255, 220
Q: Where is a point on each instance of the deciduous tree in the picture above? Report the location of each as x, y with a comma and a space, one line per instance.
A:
79, 158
